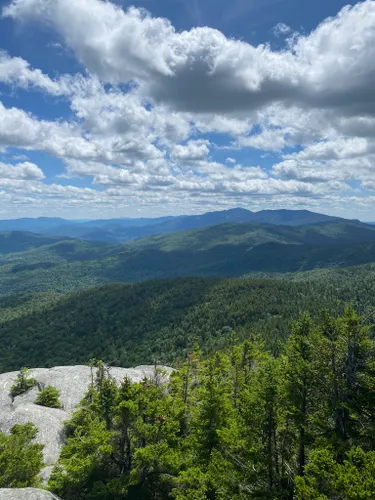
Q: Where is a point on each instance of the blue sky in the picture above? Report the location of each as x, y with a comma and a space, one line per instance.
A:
165, 107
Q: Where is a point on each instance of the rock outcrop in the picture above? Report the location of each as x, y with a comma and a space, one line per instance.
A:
72, 382
26, 494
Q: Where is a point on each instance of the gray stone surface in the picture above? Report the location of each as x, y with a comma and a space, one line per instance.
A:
26, 494
72, 382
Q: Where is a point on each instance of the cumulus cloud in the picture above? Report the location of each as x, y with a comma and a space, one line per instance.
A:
202, 70
192, 151
17, 71
63, 139
148, 95
267, 139
23, 171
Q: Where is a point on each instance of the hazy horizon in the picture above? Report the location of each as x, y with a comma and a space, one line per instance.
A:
82, 220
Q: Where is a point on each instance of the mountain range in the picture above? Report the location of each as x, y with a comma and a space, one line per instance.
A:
120, 230
66, 300
33, 263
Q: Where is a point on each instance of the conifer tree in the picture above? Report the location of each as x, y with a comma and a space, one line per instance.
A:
297, 380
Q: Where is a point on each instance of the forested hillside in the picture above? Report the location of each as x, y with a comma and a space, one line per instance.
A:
226, 250
162, 320
19, 241
252, 234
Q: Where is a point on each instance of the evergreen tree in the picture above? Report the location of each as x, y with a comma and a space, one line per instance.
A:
237, 425
24, 381
21, 460
297, 383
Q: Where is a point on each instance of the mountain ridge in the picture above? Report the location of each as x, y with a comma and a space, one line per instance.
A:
225, 250
121, 230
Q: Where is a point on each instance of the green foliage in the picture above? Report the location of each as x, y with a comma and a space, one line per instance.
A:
24, 381
21, 460
240, 424
163, 320
252, 234
14, 306
20, 241
127, 325
49, 396
123, 441
325, 478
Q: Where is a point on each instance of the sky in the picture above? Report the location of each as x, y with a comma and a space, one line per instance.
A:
169, 107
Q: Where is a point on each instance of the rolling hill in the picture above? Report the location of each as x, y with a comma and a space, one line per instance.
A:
238, 215
38, 225
20, 241
252, 234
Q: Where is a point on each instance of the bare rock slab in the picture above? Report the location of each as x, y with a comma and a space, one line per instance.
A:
26, 494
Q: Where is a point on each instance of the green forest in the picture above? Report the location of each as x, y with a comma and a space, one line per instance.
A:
239, 424
34, 263
162, 320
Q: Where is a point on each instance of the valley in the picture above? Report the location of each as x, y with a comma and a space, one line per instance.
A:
34, 263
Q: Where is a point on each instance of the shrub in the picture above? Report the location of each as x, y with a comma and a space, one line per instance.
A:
23, 383
49, 396
21, 460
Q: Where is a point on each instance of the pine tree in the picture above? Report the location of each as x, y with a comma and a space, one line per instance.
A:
21, 459
297, 381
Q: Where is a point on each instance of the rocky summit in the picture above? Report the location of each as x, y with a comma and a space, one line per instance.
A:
72, 382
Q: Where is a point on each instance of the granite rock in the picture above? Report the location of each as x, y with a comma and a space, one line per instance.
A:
26, 494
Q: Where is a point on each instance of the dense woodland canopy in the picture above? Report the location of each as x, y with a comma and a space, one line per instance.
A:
162, 320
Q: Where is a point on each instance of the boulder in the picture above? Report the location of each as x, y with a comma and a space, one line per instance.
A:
26, 494
72, 382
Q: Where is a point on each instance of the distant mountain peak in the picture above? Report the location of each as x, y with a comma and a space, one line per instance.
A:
122, 230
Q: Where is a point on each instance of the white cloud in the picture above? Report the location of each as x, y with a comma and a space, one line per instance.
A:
21, 129
335, 149
143, 144
24, 171
267, 140
281, 29
223, 124
202, 70
63, 139
16, 71
192, 151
